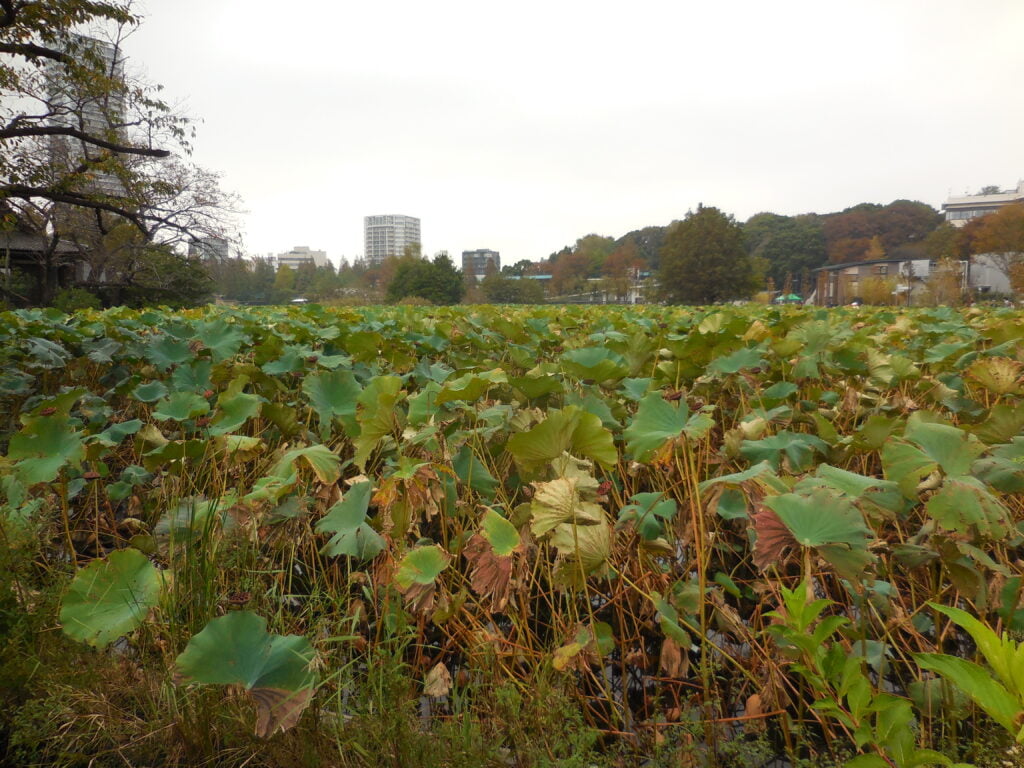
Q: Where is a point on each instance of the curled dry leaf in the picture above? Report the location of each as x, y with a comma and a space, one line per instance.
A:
438, 681
491, 576
773, 538
277, 709
673, 662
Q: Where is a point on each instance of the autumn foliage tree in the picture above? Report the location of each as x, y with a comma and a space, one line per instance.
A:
704, 260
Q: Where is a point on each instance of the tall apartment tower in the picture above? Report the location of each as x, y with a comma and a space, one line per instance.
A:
99, 114
387, 236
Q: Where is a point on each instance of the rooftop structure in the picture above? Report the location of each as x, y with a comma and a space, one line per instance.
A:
299, 255
387, 236
960, 210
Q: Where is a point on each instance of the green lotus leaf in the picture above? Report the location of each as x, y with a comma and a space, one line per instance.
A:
470, 387
110, 598
347, 521
595, 363
647, 511
963, 503
472, 472
167, 351
116, 433
195, 377
421, 565
1003, 468
276, 670
657, 421
292, 360
567, 430
45, 445
1004, 422
828, 523
180, 406
326, 464
333, 394
953, 449
502, 535
377, 415
223, 339
150, 392
234, 408
748, 357
797, 448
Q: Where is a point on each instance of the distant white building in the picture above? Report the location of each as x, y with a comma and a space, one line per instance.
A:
960, 210
387, 236
299, 255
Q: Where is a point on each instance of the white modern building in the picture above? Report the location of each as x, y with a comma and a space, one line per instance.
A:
960, 210
299, 255
387, 236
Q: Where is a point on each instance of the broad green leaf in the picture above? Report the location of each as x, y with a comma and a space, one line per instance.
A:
421, 565
747, 357
906, 465
333, 394
798, 449
45, 445
647, 511
470, 387
150, 392
326, 464
568, 430
1003, 468
1003, 424
978, 684
963, 503
828, 523
276, 670
234, 408
110, 598
180, 406
376, 415
347, 521
167, 351
472, 472
594, 363
953, 449
223, 339
657, 421
502, 535
116, 433
820, 518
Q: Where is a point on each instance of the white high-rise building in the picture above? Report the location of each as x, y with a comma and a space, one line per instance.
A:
387, 236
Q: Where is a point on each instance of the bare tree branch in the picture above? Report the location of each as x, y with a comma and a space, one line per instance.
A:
56, 130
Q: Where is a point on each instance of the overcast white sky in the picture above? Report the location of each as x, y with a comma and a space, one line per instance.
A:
522, 126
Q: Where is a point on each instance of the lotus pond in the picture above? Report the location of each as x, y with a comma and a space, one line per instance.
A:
512, 536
